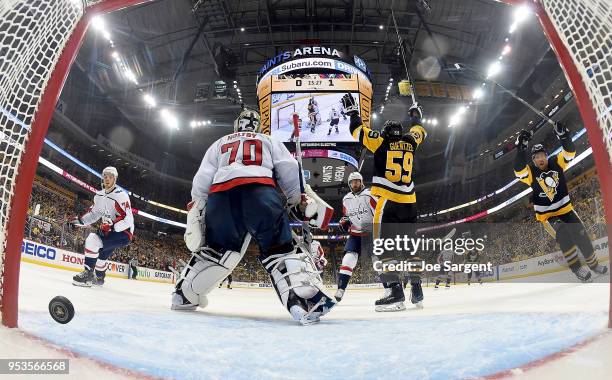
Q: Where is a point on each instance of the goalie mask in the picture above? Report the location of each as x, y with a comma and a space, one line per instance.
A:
392, 130
248, 121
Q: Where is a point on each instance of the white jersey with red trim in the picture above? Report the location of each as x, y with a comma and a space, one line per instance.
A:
113, 208
243, 158
359, 208
319, 254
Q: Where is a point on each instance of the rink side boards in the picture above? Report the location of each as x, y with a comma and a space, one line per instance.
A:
52, 257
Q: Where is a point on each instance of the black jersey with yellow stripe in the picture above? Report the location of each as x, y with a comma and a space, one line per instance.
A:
393, 160
550, 193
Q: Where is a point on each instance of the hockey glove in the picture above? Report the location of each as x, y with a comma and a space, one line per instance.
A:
523, 138
344, 224
349, 104
106, 228
560, 130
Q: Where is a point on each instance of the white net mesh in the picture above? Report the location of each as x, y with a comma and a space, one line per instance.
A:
585, 27
33, 34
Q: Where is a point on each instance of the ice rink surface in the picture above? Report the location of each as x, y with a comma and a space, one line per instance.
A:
464, 332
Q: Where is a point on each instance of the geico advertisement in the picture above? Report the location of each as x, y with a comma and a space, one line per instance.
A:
50, 255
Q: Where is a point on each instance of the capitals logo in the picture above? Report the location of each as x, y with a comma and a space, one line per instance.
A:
549, 181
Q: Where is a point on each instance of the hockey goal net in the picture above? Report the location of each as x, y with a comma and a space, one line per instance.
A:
39, 40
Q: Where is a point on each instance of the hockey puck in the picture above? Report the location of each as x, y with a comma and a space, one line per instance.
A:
61, 309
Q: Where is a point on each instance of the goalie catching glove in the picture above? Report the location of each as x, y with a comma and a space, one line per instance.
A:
313, 210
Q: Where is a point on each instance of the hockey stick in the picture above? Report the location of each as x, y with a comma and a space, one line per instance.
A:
306, 234
401, 48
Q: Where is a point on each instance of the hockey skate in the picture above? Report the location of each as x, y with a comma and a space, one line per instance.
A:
416, 293
85, 278
339, 294
392, 300
600, 269
584, 274
98, 279
179, 302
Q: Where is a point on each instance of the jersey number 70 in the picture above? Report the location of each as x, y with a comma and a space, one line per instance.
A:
399, 166
251, 151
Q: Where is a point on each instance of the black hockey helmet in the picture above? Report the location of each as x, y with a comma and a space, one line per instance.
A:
392, 129
537, 148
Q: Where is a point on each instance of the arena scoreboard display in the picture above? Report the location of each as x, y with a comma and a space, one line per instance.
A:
310, 82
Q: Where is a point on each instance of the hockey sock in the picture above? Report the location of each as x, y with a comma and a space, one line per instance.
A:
571, 256
437, 282
343, 280
591, 261
349, 261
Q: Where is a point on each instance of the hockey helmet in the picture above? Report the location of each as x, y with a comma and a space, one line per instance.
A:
111, 170
537, 148
248, 121
355, 176
392, 129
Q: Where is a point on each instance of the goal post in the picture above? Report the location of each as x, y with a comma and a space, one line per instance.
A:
580, 33
39, 41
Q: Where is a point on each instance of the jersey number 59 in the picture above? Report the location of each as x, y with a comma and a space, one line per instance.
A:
251, 151
399, 166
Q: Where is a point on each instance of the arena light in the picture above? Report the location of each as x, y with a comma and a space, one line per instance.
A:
494, 69
381, 27
507, 48
149, 100
434, 122
169, 118
115, 56
106, 35
390, 79
242, 29
129, 74
193, 124
521, 14
478, 93
374, 116
98, 23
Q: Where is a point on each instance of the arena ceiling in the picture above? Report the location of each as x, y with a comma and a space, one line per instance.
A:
176, 49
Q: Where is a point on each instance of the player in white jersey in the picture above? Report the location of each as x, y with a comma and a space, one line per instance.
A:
334, 120
234, 198
358, 208
112, 205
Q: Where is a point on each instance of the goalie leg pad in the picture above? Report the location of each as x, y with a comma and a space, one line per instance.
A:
298, 286
205, 270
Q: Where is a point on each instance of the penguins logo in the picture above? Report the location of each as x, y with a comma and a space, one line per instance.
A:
548, 182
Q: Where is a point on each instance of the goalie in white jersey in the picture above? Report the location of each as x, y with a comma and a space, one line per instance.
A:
112, 205
233, 199
358, 208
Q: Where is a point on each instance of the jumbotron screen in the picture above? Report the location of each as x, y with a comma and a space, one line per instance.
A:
316, 99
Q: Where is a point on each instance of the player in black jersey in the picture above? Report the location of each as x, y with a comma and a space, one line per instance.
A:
551, 200
393, 188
